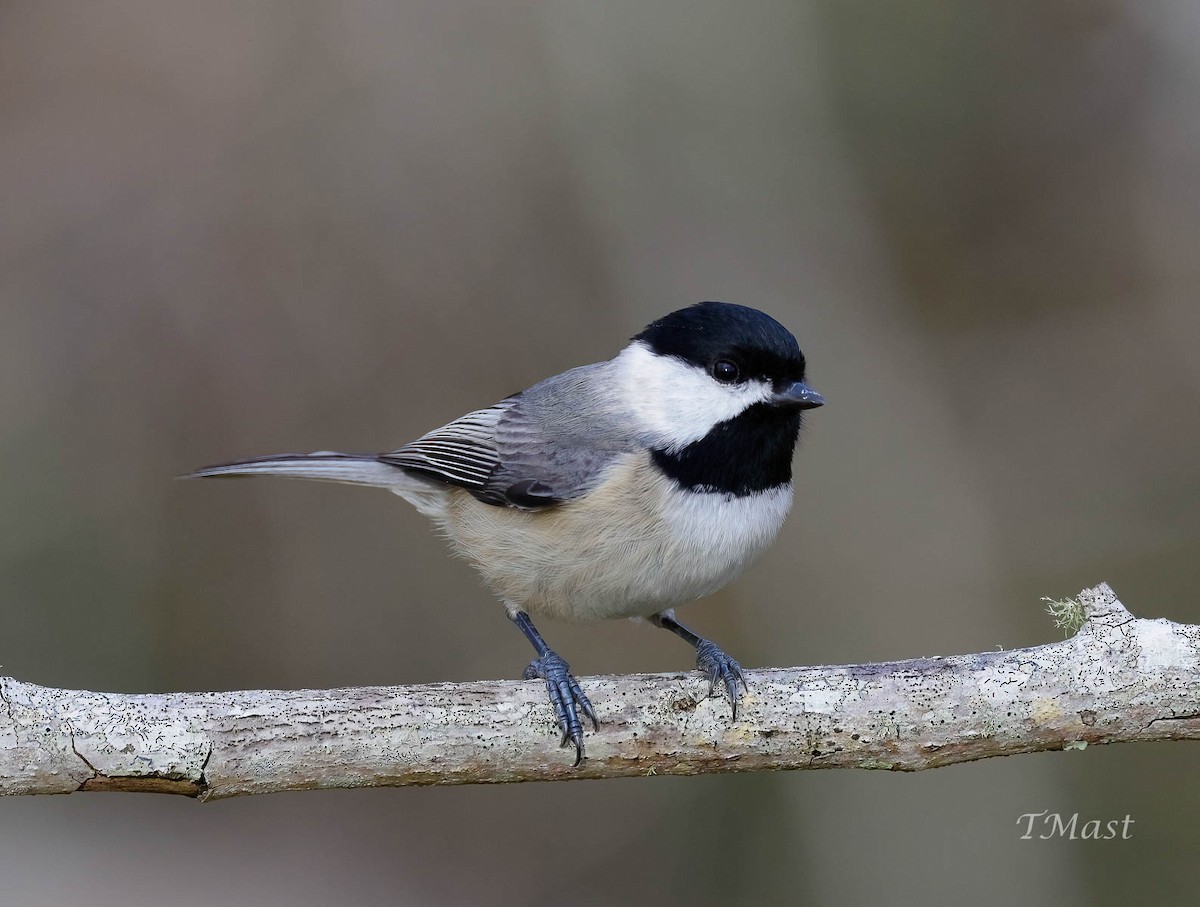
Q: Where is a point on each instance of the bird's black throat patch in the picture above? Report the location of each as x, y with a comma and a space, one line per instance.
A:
744, 455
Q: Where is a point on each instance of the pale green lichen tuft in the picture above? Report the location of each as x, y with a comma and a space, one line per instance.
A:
1067, 614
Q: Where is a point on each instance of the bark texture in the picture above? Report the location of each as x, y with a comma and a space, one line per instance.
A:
1118, 679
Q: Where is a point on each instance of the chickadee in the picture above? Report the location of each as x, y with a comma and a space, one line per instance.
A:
619, 489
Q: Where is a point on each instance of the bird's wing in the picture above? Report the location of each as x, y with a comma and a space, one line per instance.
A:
462, 453
529, 451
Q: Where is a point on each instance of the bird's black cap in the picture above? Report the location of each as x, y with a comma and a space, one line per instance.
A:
707, 331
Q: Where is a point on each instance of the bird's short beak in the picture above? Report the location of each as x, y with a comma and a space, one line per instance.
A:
799, 395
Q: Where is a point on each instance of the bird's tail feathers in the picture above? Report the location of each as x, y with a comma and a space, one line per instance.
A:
323, 466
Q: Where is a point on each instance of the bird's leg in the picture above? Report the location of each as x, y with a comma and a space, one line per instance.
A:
561, 686
709, 658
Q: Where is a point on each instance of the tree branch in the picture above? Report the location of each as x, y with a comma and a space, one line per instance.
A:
1118, 679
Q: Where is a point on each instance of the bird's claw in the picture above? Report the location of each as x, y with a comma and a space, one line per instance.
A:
719, 667
566, 697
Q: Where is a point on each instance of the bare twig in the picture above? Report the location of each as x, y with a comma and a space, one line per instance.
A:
1119, 679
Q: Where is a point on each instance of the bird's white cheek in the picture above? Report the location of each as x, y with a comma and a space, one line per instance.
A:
676, 403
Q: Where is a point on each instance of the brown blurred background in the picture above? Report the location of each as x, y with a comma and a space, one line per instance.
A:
233, 228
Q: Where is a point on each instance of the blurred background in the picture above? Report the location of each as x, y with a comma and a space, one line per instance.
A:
231, 229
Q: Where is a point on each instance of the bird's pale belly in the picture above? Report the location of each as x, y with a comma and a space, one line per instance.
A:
636, 545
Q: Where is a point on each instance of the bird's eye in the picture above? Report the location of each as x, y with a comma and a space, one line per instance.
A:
726, 371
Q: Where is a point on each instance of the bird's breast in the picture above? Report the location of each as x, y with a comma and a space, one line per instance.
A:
638, 543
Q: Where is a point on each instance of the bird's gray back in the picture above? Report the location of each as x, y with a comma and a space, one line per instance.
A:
544, 446
560, 435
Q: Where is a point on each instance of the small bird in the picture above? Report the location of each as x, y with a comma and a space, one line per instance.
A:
619, 489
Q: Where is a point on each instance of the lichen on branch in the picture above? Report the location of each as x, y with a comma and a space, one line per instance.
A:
1117, 679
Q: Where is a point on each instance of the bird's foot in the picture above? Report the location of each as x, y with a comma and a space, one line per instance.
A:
566, 697
719, 667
